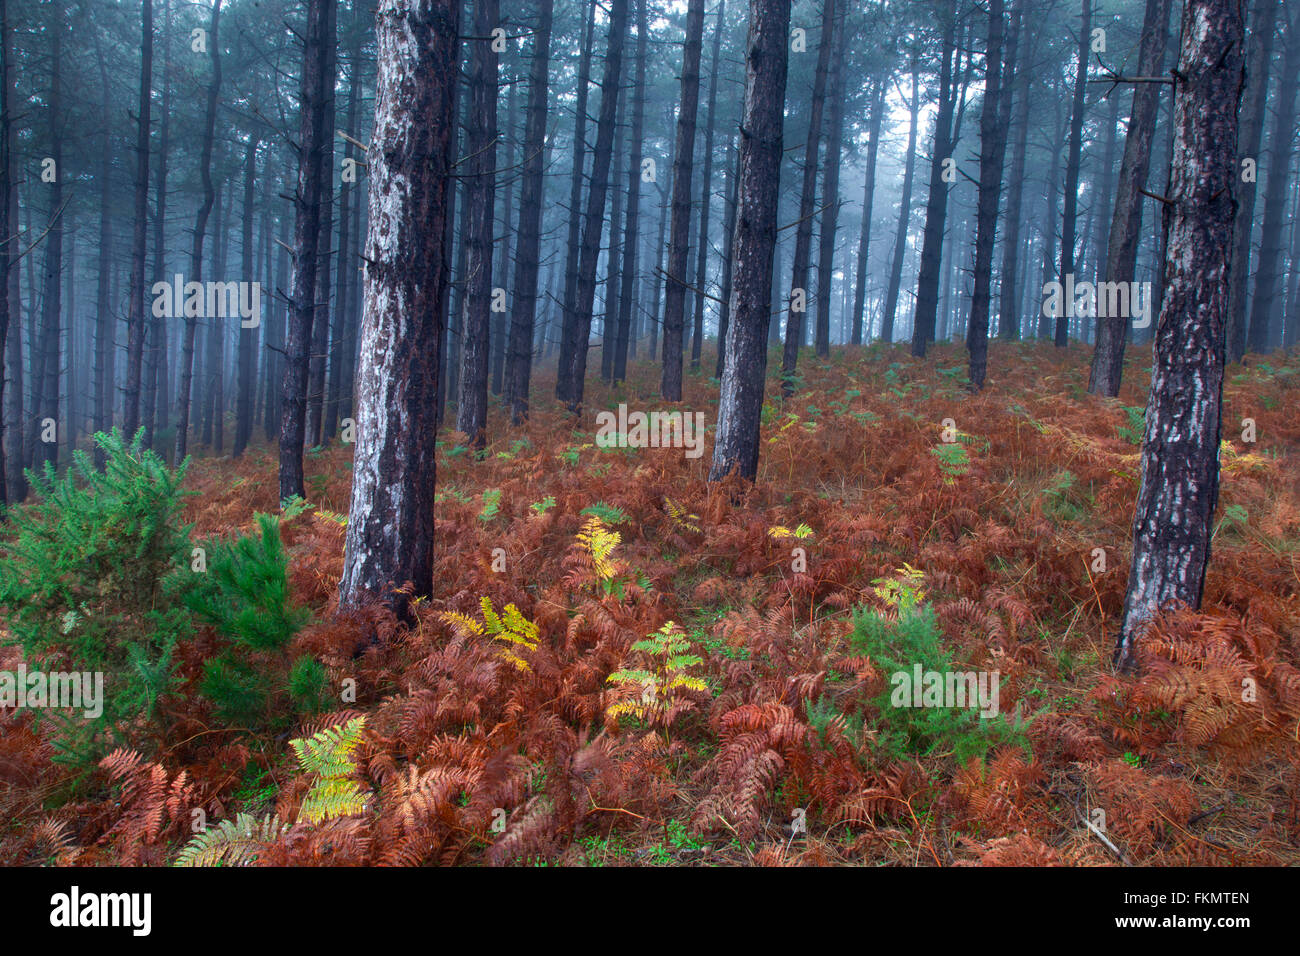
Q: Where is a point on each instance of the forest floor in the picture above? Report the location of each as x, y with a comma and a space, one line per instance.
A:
877, 535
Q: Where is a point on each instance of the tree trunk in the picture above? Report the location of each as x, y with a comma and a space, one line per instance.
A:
246, 389
1008, 298
994, 118
523, 302
797, 304
631, 236
1180, 451
390, 530
306, 246
320, 321
6, 230
569, 325
1259, 58
47, 357
156, 364
573, 360
679, 232
706, 193
830, 194
613, 264
1265, 307
14, 439
103, 373
498, 336
1126, 220
139, 233
1070, 207
904, 214
344, 316
936, 208
480, 145
735, 449
729, 230
868, 195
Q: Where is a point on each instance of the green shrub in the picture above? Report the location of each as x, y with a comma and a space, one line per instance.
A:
897, 646
83, 587
244, 595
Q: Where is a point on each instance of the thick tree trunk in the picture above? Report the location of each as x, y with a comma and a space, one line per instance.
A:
480, 145
573, 360
679, 233
1265, 305
505, 204
200, 228
868, 196
994, 118
625, 337
306, 246
1126, 220
391, 526
1259, 58
797, 303
523, 303
140, 230
573, 248
1179, 486
904, 214
735, 449
830, 194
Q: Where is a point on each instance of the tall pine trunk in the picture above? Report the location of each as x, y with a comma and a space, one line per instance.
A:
1070, 205
140, 230
306, 246
480, 146
797, 303
735, 448
390, 529
1126, 219
679, 232
1179, 484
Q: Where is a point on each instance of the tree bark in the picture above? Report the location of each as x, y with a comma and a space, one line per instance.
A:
830, 194
936, 208
1265, 311
794, 327
390, 530
306, 248
706, 193
480, 145
1070, 207
994, 118
139, 232
569, 325
868, 196
1179, 485
573, 360
1126, 219
729, 230
245, 390
904, 214
679, 231
735, 449
157, 367
523, 302
1259, 58
631, 236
